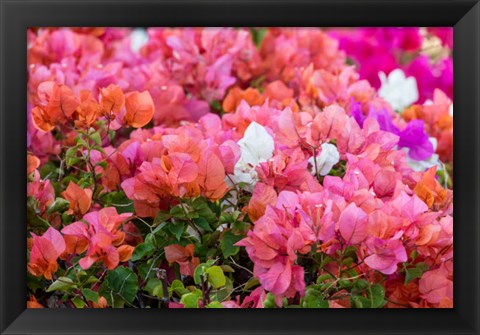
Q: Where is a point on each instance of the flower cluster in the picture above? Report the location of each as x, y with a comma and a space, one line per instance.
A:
240, 168
422, 53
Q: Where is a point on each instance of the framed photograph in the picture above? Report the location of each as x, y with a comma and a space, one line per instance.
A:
243, 167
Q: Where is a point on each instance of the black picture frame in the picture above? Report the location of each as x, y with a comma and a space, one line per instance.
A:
17, 15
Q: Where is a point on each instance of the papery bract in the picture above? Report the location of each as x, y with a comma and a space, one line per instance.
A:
139, 109
184, 256
44, 254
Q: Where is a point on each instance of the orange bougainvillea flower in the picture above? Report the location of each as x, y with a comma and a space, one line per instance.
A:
57, 104
125, 252
87, 111
112, 100
41, 120
102, 303
429, 189
211, 176
44, 254
101, 250
263, 195
175, 253
278, 90
33, 303
236, 95
413, 112
139, 109
32, 163
80, 199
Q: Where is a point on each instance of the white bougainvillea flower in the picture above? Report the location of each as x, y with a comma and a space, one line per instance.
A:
328, 157
398, 90
256, 147
138, 39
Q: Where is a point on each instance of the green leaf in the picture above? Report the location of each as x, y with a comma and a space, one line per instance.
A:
161, 217
176, 228
71, 156
314, 299
214, 304
59, 205
154, 287
200, 206
227, 242
78, 302
120, 201
359, 302
413, 255
61, 284
142, 250
270, 301
227, 268
216, 277
199, 271
210, 262
35, 283
190, 300
258, 34
378, 296
202, 223
361, 284
67, 218
178, 287
96, 138
143, 269
90, 295
216, 106
345, 283
223, 293
92, 280
177, 211
252, 282
323, 277
123, 282
416, 272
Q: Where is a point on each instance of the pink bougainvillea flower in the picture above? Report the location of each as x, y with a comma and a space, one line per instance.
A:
44, 254
291, 131
101, 237
436, 285
353, 224
255, 299
385, 254
184, 256
100, 250
42, 191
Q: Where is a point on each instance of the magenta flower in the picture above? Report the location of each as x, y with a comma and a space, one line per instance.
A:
416, 140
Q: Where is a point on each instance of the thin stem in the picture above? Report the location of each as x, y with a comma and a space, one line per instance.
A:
239, 266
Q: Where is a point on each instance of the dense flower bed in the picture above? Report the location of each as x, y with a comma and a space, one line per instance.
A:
240, 168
